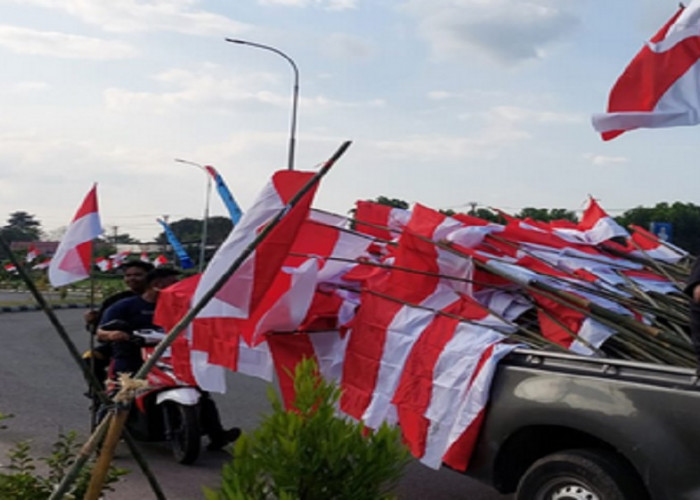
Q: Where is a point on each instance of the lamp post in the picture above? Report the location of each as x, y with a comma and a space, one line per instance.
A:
295, 93
203, 243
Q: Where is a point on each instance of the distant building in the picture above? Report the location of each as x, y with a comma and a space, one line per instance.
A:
141, 247
45, 248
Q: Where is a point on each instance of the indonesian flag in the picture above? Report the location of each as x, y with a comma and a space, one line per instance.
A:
160, 260
32, 253
327, 348
10, 268
383, 330
244, 290
444, 385
173, 303
44, 264
660, 87
647, 244
71, 262
144, 257
239, 297
383, 221
119, 258
103, 264
597, 226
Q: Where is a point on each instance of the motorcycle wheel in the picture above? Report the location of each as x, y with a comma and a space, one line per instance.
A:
184, 432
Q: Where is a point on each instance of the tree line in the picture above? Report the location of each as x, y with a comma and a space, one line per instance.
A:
684, 218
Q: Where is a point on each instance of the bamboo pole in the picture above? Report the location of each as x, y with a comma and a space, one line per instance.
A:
87, 373
99, 472
187, 318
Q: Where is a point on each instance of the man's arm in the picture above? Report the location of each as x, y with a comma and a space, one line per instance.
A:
115, 312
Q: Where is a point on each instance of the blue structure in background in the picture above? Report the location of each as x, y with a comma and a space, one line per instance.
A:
185, 261
663, 230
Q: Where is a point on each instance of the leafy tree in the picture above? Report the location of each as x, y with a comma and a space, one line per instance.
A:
547, 214
392, 202
123, 239
21, 226
309, 453
189, 231
685, 218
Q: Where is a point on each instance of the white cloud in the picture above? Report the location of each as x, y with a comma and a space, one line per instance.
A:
126, 16
507, 31
26, 87
602, 160
211, 88
63, 45
347, 46
520, 114
324, 4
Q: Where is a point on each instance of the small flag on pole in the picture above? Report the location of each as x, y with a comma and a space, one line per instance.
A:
71, 261
32, 253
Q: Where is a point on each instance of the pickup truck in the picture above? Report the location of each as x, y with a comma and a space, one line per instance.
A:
568, 427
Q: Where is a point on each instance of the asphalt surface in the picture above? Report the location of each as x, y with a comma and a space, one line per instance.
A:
44, 389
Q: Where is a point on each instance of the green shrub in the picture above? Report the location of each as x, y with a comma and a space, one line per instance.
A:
20, 481
311, 453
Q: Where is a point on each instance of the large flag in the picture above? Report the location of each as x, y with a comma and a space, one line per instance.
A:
661, 86
241, 293
233, 209
71, 262
185, 261
247, 287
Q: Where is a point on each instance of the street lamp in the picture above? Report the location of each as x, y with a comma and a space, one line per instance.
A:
295, 93
203, 243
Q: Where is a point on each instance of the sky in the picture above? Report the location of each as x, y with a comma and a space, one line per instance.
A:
447, 103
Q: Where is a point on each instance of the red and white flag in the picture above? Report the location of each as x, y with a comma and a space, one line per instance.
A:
160, 260
10, 268
382, 221
647, 244
44, 264
119, 258
246, 287
103, 264
661, 86
597, 226
32, 253
71, 262
144, 257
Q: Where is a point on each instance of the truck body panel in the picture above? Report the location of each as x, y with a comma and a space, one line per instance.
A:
544, 402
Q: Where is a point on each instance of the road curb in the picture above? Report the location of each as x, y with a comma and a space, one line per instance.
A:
35, 307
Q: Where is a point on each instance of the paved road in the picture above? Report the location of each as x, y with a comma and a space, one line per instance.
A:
43, 389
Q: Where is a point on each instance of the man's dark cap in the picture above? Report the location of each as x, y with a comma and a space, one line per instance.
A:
146, 266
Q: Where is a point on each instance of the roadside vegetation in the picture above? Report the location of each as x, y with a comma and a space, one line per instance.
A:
25, 477
310, 453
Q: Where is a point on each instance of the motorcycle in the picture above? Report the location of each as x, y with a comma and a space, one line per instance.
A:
169, 410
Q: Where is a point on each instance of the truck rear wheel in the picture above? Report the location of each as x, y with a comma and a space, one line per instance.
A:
580, 475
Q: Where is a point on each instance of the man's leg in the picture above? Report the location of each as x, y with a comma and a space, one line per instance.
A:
218, 436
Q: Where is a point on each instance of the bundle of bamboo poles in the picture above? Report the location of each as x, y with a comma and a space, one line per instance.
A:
654, 329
